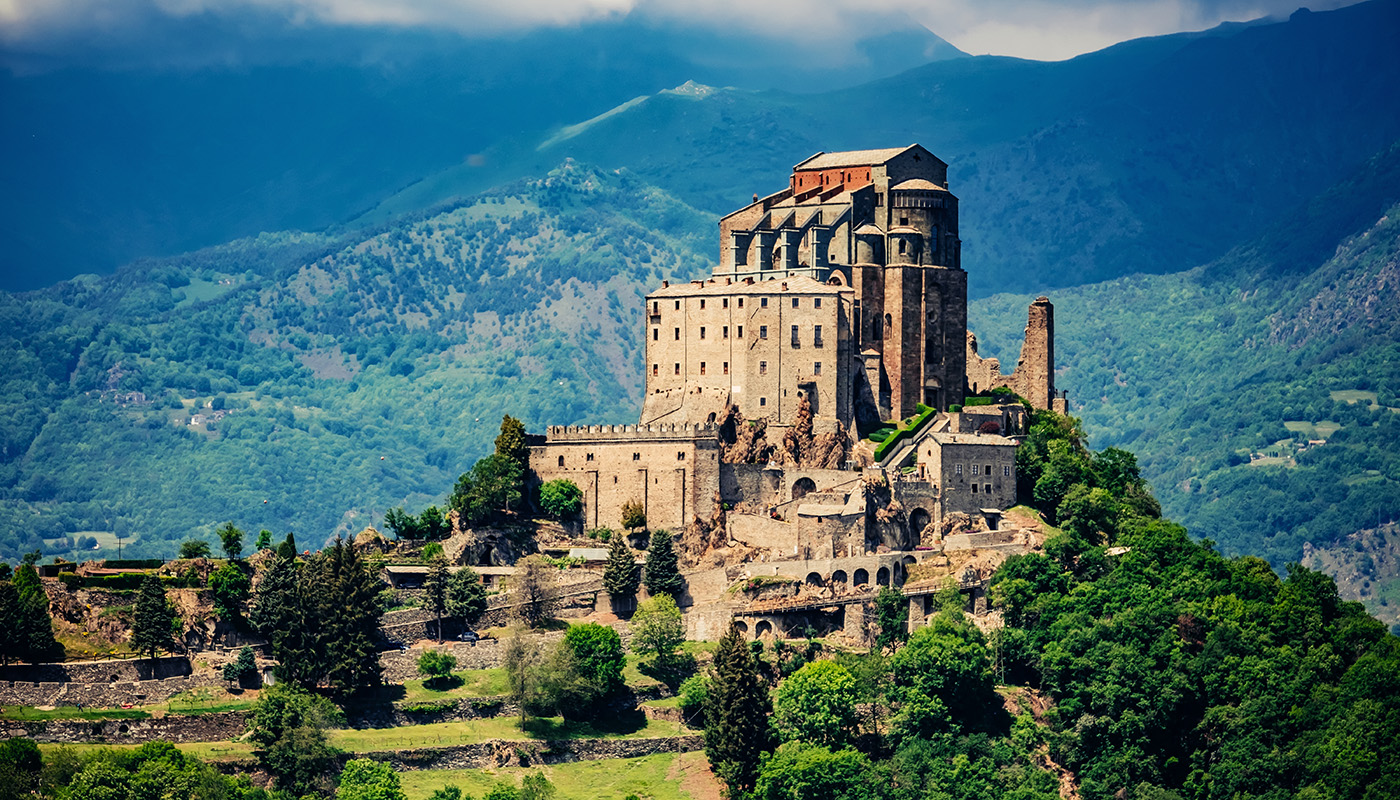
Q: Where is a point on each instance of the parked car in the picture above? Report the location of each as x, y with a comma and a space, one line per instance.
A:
468, 636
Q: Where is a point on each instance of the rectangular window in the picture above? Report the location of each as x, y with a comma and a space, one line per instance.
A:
678, 369
957, 470
740, 333
636, 456
763, 331
986, 488
678, 305
795, 342
655, 307
989, 469
879, 198
763, 401
655, 370
680, 456
656, 334
904, 221
817, 368
816, 302
817, 336
741, 302
726, 368
702, 368
724, 303
702, 331
1006, 472
678, 334
794, 302
702, 303
762, 302
726, 332
974, 469
974, 488
763, 368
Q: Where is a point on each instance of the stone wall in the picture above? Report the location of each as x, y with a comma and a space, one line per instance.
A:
137, 669
486, 654
102, 695
217, 727
1034, 376
497, 753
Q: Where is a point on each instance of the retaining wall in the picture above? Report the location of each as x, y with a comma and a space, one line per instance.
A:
136, 669
217, 727
102, 695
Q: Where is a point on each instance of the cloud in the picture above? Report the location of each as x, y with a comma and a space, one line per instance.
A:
1039, 29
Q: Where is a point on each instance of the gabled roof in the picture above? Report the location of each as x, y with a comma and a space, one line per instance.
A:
855, 158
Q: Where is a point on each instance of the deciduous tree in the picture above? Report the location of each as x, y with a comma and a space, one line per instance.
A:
367, 779
817, 704
232, 540
534, 590
466, 596
289, 727
561, 498
657, 627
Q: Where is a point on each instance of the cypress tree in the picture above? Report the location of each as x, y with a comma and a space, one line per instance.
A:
736, 715
150, 627
36, 626
512, 443
347, 608
662, 573
13, 642
620, 575
280, 614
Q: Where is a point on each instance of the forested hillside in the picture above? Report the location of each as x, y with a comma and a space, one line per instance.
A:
1262, 391
332, 379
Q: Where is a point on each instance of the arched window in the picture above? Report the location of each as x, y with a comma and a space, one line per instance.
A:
889, 323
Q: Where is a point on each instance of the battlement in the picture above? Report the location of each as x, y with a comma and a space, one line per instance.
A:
605, 433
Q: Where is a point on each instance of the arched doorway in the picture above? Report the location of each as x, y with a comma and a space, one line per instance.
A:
763, 630
814, 579
742, 627
860, 578
918, 520
803, 487
882, 577
838, 578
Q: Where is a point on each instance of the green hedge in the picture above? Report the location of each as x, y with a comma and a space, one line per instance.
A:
913, 425
132, 563
117, 583
980, 401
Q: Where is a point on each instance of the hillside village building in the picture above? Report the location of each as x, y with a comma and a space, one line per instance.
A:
841, 296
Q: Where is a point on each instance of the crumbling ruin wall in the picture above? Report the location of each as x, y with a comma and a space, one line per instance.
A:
1034, 376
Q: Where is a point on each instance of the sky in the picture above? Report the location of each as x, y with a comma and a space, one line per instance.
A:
1035, 29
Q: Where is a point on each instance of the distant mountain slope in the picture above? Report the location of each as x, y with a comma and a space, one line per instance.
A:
308, 384
1223, 379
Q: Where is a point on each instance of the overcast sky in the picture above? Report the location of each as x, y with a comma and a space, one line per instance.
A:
1038, 29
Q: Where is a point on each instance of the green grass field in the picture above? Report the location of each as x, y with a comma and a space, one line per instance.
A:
200, 701
474, 683
612, 779
1313, 430
447, 734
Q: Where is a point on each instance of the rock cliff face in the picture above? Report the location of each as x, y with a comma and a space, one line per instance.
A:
1366, 567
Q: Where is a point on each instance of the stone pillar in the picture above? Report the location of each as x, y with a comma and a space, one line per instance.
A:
763, 242
916, 613
854, 626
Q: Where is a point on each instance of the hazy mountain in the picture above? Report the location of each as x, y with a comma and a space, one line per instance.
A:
112, 158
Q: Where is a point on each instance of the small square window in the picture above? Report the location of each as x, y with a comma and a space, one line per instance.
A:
816, 302
986, 488
655, 307
974, 488
588, 457
724, 303
989, 470
763, 401
957, 470
762, 302
794, 302
636, 456
904, 221
817, 368
680, 456
741, 302
763, 368
763, 331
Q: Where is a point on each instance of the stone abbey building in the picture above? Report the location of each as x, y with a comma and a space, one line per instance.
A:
841, 297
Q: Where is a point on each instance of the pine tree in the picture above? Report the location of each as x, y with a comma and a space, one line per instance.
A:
279, 614
36, 626
620, 575
662, 574
150, 627
466, 596
347, 612
736, 715
435, 590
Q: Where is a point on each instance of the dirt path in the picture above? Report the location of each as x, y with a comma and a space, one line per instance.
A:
692, 770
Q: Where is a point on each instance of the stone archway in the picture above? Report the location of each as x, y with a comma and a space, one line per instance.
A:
764, 629
803, 487
742, 627
860, 578
918, 520
814, 579
882, 577
838, 577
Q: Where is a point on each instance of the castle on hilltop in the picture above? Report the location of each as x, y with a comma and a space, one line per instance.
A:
837, 303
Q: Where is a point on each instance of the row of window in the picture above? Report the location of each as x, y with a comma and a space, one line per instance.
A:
982, 470
724, 303
762, 370
680, 456
739, 334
